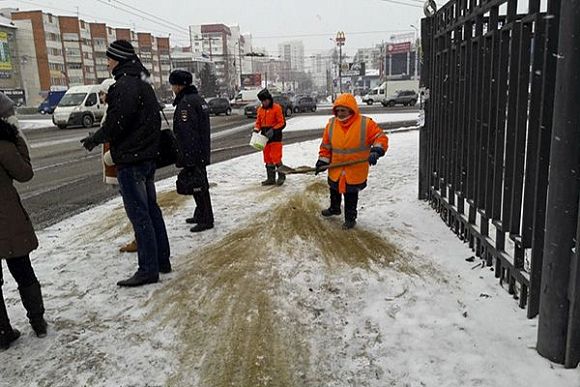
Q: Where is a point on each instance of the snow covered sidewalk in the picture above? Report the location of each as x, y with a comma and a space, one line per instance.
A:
276, 295
300, 123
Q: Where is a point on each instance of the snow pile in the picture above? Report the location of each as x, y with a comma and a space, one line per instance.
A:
35, 124
276, 295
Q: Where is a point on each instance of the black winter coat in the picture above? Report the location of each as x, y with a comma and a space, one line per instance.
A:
133, 123
192, 128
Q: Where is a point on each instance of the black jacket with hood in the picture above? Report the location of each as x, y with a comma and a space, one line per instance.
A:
192, 128
133, 123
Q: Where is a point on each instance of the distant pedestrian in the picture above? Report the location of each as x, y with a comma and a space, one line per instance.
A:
191, 126
17, 236
133, 129
348, 137
109, 168
270, 121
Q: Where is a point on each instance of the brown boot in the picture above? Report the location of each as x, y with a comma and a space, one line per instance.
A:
129, 247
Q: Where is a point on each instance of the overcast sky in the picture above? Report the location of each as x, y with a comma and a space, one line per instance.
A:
365, 22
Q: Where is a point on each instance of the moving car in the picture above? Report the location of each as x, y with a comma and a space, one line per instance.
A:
49, 104
79, 106
375, 95
402, 97
219, 106
305, 104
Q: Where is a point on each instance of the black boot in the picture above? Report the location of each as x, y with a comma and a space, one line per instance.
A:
204, 211
350, 211
281, 177
195, 218
32, 300
8, 335
334, 208
271, 175
139, 279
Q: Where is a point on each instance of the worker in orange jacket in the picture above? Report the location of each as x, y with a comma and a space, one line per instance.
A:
270, 121
349, 136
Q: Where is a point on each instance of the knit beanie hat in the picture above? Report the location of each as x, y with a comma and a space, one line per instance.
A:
121, 51
180, 77
264, 95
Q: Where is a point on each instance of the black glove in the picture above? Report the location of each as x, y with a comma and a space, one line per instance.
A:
269, 133
376, 153
89, 143
321, 166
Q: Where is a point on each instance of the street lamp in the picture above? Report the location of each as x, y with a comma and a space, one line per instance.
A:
416, 51
340, 39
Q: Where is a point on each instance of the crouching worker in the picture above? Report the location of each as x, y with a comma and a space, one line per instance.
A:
270, 122
349, 137
191, 125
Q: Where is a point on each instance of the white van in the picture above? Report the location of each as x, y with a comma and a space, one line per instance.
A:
375, 95
79, 106
245, 96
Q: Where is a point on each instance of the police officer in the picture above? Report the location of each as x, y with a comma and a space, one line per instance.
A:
192, 131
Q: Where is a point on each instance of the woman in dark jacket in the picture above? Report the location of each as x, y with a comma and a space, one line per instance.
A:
17, 237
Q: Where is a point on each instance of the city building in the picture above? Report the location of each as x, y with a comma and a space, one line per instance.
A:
48, 53
100, 35
77, 47
292, 53
11, 78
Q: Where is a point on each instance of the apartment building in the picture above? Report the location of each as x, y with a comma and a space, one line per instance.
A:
78, 53
48, 49
101, 39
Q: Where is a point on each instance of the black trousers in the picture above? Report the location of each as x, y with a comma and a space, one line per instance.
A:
350, 203
22, 271
203, 210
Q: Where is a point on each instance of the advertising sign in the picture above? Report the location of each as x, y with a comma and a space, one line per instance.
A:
353, 69
398, 48
252, 80
5, 59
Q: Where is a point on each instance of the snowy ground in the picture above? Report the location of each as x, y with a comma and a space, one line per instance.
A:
277, 296
300, 123
35, 124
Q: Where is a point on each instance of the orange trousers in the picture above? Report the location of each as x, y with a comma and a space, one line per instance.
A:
273, 153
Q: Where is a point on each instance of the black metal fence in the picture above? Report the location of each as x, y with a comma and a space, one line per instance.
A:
489, 68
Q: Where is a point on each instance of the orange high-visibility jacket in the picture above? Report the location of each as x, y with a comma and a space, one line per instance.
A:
348, 141
270, 118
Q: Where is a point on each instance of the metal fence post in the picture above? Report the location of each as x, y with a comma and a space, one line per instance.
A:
557, 310
426, 36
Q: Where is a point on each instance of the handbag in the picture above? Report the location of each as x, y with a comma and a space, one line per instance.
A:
167, 152
191, 180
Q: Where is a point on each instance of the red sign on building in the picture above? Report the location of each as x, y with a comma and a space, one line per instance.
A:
252, 80
398, 48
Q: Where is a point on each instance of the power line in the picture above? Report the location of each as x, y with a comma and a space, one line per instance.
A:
328, 34
152, 15
401, 3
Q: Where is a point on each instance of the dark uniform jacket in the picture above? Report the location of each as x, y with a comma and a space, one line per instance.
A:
192, 128
133, 123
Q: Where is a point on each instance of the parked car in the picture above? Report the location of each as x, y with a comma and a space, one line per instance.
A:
219, 106
250, 111
305, 104
51, 101
245, 97
402, 97
79, 106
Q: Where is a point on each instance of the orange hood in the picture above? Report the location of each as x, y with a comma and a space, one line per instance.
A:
346, 100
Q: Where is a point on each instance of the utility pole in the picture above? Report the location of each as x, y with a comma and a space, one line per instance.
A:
416, 49
340, 39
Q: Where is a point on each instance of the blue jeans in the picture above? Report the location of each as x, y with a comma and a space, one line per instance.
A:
137, 185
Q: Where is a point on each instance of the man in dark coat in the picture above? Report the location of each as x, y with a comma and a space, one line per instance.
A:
132, 128
192, 130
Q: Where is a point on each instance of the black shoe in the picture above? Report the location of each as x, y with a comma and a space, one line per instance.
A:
39, 326
271, 175
201, 227
139, 279
269, 182
348, 224
165, 269
330, 212
192, 220
8, 337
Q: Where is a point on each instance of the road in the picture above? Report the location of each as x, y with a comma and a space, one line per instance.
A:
68, 179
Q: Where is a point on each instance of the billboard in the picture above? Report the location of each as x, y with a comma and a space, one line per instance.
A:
252, 80
353, 69
5, 59
398, 48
